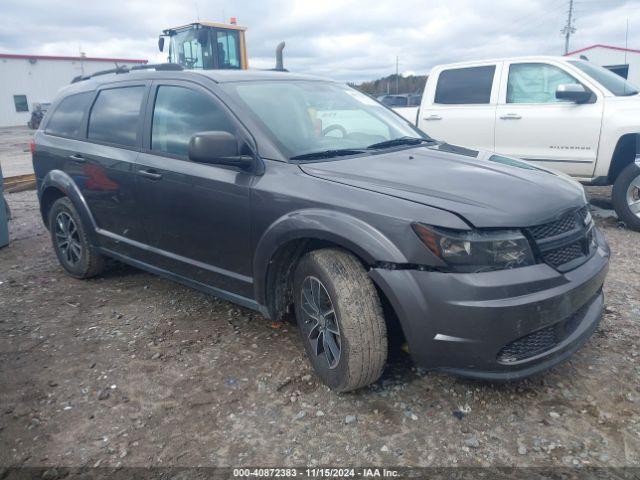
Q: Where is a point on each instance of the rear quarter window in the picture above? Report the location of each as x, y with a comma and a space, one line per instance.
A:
115, 115
462, 86
66, 119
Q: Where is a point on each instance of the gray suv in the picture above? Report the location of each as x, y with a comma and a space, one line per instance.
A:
288, 194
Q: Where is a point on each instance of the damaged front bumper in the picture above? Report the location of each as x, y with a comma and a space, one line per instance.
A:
500, 325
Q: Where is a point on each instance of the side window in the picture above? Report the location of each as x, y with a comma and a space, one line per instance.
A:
179, 113
115, 115
20, 102
228, 49
66, 119
462, 86
535, 82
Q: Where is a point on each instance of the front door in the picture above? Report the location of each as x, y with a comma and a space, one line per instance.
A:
197, 216
533, 125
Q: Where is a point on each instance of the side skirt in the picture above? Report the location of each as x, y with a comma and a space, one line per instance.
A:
216, 292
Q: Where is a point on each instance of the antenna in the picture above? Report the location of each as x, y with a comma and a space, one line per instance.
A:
195, 4
82, 55
626, 42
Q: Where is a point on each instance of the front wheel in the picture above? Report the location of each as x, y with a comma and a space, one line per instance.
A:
626, 196
340, 319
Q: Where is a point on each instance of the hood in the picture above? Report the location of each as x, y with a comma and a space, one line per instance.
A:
486, 189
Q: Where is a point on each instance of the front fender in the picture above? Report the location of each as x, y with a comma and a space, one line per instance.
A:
349, 232
621, 117
63, 182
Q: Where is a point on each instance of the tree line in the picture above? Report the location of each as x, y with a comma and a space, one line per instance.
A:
382, 86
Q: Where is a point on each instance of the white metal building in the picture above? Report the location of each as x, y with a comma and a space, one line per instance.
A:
623, 61
26, 79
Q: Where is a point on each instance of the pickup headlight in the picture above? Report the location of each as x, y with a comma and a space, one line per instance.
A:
477, 251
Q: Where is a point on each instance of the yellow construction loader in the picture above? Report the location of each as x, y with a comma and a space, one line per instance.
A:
210, 46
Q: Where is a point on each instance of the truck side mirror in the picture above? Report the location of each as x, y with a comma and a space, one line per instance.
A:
573, 92
161, 44
219, 148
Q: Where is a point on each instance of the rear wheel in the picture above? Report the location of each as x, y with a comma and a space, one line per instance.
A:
626, 196
70, 242
340, 319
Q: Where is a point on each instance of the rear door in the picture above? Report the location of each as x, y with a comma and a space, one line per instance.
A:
107, 158
460, 108
533, 125
197, 216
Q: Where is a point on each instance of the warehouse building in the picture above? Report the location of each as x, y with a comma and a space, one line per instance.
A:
29, 79
623, 61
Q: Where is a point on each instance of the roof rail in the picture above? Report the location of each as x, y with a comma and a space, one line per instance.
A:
159, 67
122, 69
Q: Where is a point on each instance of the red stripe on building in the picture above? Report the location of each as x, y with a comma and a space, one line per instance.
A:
83, 59
610, 47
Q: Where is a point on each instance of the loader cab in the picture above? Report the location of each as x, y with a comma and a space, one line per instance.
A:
206, 46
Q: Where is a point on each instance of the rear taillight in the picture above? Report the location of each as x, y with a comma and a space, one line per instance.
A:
32, 147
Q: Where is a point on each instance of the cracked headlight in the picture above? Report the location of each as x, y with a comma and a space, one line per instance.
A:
477, 251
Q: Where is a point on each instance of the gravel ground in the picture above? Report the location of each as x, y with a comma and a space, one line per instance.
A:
133, 370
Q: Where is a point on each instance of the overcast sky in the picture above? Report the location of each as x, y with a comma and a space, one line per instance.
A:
352, 40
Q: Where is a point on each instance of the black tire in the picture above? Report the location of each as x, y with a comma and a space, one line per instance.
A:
630, 174
83, 262
358, 315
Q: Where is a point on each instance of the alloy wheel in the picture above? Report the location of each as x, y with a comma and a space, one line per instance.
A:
68, 238
320, 321
633, 196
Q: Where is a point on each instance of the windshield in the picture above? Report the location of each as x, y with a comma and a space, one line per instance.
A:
306, 117
192, 48
609, 80
186, 50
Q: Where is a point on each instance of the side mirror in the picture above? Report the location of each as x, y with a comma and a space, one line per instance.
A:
573, 92
161, 44
219, 148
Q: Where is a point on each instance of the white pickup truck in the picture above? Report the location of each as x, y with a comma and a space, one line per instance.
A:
557, 112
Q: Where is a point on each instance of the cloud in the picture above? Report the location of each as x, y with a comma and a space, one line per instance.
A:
351, 40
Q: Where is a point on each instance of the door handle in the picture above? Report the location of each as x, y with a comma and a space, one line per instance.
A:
510, 116
431, 118
152, 174
76, 157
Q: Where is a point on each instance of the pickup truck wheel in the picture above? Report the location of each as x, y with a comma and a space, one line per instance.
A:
340, 319
70, 242
626, 196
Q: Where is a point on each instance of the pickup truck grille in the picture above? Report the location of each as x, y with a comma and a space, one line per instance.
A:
565, 243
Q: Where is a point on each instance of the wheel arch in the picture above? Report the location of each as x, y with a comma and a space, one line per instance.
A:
295, 234
624, 153
57, 184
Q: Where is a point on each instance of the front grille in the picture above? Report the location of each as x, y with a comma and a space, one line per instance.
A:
544, 339
565, 224
565, 241
563, 255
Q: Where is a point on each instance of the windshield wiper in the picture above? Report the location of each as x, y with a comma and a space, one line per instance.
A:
400, 141
327, 154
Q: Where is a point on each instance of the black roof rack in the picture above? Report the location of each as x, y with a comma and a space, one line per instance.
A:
123, 69
159, 67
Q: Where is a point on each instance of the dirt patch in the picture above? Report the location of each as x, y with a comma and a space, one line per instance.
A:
130, 369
